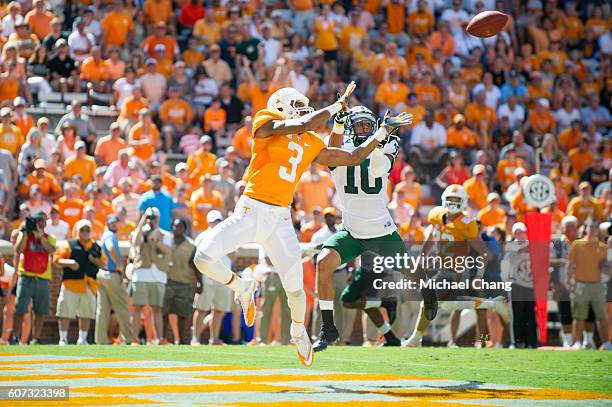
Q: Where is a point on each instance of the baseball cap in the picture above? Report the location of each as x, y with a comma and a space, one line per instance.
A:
40, 163
519, 226
519, 171
5, 111
20, 21
42, 120
479, 169
458, 118
60, 42
79, 144
214, 216
180, 167
543, 102
19, 101
112, 218
82, 223
329, 211
150, 61
115, 125
583, 185
152, 211
492, 196
79, 21
205, 139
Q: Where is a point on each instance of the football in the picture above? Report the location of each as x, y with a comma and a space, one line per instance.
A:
487, 24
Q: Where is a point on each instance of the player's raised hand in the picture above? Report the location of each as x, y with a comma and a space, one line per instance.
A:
344, 99
402, 119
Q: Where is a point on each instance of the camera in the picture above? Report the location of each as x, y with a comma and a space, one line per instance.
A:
30, 224
95, 250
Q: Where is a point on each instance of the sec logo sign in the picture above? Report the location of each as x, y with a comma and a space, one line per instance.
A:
539, 191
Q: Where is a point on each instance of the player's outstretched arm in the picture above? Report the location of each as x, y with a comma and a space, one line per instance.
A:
305, 123
337, 157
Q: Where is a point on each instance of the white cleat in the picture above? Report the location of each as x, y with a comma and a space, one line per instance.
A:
246, 299
62, 342
82, 342
303, 344
413, 342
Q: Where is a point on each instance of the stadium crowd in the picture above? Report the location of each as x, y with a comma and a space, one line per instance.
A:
185, 78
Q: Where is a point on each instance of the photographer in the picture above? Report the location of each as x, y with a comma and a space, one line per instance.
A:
79, 260
32, 250
152, 248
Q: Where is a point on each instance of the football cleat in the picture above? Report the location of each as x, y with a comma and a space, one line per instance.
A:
430, 303
303, 344
414, 341
390, 342
327, 336
246, 299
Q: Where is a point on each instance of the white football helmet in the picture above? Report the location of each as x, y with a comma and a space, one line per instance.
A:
457, 205
284, 102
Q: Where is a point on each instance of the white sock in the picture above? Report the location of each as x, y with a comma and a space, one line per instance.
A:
297, 304
566, 338
63, 336
82, 335
588, 337
384, 328
417, 335
326, 305
372, 304
297, 328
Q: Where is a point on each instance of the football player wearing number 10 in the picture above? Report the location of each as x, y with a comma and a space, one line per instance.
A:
367, 227
284, 145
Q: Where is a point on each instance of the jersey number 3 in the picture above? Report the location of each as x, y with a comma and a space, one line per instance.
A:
288, 174
351, 187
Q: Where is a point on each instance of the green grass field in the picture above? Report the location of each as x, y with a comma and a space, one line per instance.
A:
570, 370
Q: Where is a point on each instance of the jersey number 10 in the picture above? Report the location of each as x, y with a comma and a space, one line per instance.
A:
351, 187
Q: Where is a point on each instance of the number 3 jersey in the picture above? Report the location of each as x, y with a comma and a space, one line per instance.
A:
363, 197
278, 162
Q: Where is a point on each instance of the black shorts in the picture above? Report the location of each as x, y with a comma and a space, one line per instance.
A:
331, 55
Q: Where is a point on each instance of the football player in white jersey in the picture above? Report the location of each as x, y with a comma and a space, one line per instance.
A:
367, 226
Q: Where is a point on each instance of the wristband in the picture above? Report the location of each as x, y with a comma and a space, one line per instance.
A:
338, 128
381, 134
333, 109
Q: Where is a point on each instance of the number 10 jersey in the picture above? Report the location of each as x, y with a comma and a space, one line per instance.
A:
364, 197
278, 162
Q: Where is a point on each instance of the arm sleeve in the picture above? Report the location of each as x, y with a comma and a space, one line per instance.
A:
379, 163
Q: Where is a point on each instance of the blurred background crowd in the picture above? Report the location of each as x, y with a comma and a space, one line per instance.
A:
181, 81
